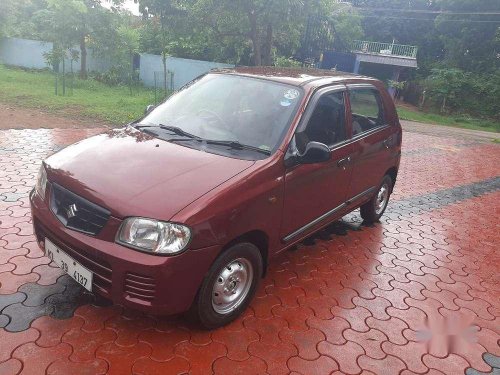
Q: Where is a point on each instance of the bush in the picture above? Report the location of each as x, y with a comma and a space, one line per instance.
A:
456, 91
117, 76
286, 62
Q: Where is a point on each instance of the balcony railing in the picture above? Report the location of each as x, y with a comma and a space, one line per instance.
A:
387, 49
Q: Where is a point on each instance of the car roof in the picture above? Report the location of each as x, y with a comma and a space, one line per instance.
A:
297, 76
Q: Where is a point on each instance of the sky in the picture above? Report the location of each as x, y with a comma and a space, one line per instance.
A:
128, 4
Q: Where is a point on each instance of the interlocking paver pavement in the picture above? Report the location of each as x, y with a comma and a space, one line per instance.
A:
418, 293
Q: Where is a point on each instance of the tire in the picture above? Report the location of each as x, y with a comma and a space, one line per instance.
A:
373, 210
235, 274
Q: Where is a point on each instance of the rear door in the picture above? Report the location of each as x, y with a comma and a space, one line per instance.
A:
315, 192
372, 138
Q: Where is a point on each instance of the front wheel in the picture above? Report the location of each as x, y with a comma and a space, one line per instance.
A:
229, 286
373, 210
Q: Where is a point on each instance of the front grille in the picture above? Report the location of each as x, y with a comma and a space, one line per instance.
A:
76, 212
100, 268
139, 286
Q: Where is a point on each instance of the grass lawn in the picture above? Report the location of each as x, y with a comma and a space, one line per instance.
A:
90, 99
410, 114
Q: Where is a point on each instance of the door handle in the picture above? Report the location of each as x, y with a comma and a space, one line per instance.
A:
342, 163
387, 143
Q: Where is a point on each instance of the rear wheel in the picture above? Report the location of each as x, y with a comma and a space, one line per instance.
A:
373, 210
229, 286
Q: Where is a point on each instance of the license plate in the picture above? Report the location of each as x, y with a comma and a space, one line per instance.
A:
74, 269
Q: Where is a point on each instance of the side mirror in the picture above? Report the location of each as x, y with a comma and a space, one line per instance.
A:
315, 152
148, 109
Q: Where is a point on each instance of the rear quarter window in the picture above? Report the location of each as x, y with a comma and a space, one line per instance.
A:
367, 110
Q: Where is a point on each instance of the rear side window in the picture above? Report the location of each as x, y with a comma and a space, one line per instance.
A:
367, 110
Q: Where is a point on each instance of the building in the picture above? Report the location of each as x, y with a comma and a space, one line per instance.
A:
386, 61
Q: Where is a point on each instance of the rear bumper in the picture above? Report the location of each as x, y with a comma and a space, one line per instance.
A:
154, 284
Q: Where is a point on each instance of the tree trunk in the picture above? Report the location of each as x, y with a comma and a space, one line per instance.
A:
164, 60
64, 74
267, 58
83, 57
443, 106
254, 35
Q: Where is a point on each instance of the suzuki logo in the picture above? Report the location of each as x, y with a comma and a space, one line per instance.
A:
71, 211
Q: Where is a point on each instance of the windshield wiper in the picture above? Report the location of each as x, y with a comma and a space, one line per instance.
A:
178, 131
237, 145
232, 144
190, 137
174, 129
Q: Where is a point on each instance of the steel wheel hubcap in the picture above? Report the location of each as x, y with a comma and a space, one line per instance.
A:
382, 198
232, 286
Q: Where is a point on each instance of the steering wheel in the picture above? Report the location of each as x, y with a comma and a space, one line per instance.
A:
214, 115
222, 128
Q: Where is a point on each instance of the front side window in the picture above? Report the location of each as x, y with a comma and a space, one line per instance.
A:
367, 110
327, 123
220, 111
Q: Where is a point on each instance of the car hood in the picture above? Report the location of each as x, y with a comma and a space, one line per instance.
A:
133, 174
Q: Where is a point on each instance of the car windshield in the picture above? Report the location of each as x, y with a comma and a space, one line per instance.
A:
227, 110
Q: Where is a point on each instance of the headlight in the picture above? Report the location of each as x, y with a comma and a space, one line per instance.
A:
154, 236
41, 182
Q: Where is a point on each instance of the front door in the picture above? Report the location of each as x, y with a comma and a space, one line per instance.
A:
371, 137
314, 192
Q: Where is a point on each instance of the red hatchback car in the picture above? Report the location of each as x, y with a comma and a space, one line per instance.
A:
184, 209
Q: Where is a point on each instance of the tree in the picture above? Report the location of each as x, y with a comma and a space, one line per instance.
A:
463, 40
167, 14
4, 17
95, 24
58, 23
470, 41
129, 45
16, 18
259, 22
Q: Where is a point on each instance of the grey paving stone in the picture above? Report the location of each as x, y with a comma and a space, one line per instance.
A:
11, 197
9, 299
4, 320
36, 294
492, 360
21, 316
64, 304
471, 371
428, 202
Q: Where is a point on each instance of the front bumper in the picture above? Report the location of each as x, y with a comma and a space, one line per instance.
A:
155, 284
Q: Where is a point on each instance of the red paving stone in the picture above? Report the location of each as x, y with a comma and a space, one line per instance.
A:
418, 293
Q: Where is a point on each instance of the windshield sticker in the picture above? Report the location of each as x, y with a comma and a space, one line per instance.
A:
291, 94
285, 102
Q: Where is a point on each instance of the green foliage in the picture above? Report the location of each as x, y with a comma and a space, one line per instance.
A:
115, 76
58, 23
456, 91
247, 32
470, 46
4, 17
347, 23
16, 18
286, 62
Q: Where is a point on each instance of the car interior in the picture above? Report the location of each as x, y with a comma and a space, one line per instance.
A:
367, 112
327, 123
